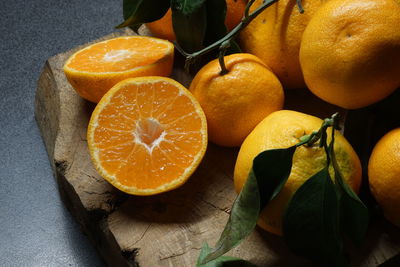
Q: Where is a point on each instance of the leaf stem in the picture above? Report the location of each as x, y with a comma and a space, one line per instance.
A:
320, 135
222, 50
300, 6
247, 18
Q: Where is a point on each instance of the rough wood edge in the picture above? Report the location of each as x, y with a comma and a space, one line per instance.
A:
93, 224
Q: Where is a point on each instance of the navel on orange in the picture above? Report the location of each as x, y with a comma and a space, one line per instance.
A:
147, 135
93, 70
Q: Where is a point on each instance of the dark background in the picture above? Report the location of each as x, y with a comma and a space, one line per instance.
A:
35, 227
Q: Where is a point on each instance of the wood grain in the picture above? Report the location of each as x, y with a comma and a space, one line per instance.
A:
167, 229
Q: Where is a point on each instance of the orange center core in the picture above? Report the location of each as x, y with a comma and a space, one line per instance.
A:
150, 132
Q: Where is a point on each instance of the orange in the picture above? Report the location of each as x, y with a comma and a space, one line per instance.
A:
234, 12
350, 52
275, 36
283, 129
163, 28
236, 102
93, 70
384, 175
147, 135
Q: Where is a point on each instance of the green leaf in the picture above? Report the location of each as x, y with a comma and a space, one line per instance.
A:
189, 19
353, 213
270, 172
272, 169
137, 12
223, 261
311, 221
216, 29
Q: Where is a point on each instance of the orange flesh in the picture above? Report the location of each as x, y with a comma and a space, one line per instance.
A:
148, 134
118, 55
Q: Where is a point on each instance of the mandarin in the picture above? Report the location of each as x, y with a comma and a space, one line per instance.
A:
283, 129
384, 175
93, 70
350, 52
234, 103
275, 36
147, 135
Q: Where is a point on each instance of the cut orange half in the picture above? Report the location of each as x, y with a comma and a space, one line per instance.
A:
147, 135
93, 70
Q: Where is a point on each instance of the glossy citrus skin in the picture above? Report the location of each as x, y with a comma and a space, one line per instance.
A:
147, 135
163, 28
283, 129
234, 12
350, 52
275, 36
384, 175
93, 70
236, 102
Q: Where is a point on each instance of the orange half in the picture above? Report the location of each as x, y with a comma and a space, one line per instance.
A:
93, 70
147, 135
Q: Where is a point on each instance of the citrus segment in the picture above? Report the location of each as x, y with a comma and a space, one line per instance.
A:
147, 135
93, 70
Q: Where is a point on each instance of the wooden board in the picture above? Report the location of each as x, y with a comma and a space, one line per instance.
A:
167, 229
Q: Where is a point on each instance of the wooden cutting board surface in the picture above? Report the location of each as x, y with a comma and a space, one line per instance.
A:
167, 229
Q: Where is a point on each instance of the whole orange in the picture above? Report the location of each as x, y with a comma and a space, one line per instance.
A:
275, 36
236, 102
282, 129
163, 28
384, 175
350, 52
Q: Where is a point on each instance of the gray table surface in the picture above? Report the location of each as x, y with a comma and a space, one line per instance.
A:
35, 227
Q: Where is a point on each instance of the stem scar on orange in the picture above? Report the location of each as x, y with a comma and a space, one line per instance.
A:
93, 70
147, 135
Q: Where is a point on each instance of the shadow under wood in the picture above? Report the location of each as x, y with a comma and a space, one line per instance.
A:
283, 257
382, 242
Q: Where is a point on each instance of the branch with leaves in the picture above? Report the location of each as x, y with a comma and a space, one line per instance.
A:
319, 214
199, 25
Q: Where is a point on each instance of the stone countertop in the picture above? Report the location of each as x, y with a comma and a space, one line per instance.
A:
36, 228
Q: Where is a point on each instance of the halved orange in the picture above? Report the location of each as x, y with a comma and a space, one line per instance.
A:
147, 135
93, 70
